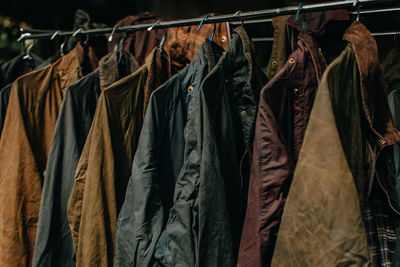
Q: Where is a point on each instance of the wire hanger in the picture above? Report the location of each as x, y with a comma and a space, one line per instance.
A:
28, 51
63, 44
112, 32
356, 4
237, 14
201, 24
160, 47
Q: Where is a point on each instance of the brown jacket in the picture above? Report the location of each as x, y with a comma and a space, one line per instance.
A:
183, 42
105, 164
139, 43
34, 105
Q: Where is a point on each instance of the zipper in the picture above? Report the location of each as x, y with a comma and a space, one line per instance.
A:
371, 169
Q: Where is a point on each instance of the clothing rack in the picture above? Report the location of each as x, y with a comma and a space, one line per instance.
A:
237, 17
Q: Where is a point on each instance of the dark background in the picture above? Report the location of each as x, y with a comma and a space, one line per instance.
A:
46, 14
59, 15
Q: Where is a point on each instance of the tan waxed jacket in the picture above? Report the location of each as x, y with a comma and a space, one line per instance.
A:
33, 109
105, 164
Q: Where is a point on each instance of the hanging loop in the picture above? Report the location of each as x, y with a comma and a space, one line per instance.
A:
152, 26
112, 32
77, 31
160, 47
54, 35
202, 20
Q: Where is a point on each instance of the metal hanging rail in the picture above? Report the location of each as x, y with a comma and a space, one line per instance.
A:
265, 14
354, 13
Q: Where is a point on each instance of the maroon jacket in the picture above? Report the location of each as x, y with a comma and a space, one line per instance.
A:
283, 114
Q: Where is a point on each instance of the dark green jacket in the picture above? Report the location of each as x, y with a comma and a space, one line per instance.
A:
158, 161
205, 221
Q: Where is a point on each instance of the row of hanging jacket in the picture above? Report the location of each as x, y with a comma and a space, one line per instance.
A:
190, 155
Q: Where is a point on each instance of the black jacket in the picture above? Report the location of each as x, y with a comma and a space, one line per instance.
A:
205, 222
158, 161
54, 245
9, 72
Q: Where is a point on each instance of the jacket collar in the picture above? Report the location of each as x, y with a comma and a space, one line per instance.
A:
108, 68
372, 84
318, 59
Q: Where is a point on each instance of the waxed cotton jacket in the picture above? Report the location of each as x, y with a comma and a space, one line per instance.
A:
54, 245
206, 218
342, 175
105, 164
284, 110
35, 102
158, 161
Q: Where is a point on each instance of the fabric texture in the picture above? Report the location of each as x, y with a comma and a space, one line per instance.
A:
158, 161
104, 167
34, 106
324, 221
366, 131
284, 110
183, 42
54, 245
205, 221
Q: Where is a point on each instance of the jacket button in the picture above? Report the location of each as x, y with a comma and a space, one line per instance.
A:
274, 63
190, 88
223, 39
243, 112
296, 90
291, 60
226, 80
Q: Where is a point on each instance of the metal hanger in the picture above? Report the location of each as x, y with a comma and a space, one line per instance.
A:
160, 47
63, 44
28, 51
201, 24
112, 32
356, 4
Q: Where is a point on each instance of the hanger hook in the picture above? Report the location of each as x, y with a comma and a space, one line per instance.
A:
298, 10
160, 48
54, 35
356, 4
28, 51
212, 35
62, 46
112, 32
76, 32
202, 20
237, 14
152, 26
86, 40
